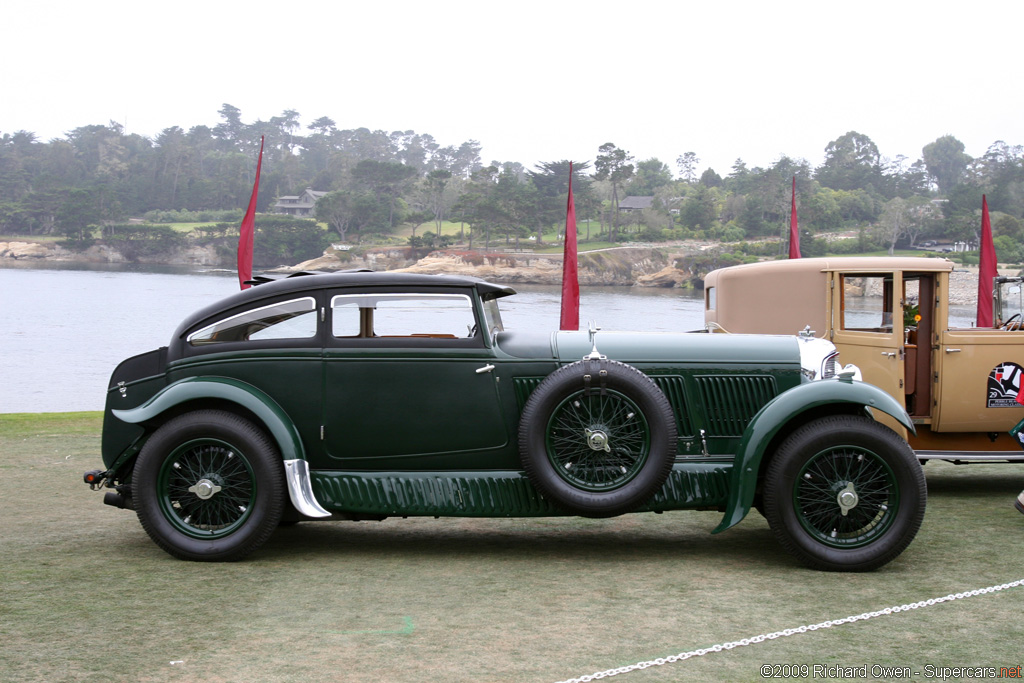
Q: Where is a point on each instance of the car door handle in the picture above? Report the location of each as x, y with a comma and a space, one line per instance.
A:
952, 350
891, 354
486, 368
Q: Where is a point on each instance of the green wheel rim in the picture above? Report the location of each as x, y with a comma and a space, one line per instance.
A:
206, 488
846, 497
598, 443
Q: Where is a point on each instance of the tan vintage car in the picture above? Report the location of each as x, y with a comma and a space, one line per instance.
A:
891, 318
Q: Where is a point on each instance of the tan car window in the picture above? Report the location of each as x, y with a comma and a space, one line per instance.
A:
867, 303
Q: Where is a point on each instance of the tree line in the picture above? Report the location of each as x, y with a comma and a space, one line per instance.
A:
96, 177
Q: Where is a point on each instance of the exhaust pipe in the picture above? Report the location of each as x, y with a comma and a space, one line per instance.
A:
118, 501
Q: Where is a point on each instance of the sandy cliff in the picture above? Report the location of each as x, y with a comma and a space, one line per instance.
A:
617, 266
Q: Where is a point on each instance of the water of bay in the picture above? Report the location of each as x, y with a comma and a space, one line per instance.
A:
64, 329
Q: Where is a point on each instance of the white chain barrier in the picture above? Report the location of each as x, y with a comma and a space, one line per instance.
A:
683, 656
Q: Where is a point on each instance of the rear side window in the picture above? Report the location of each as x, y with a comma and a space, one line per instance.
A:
295, 319
426, 316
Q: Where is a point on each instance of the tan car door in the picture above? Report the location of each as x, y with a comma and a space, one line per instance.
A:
979, 374
866, 331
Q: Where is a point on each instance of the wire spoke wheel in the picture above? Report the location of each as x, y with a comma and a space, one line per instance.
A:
844, 493
209, 486
206, 488
597, 437
845, 497
598, 442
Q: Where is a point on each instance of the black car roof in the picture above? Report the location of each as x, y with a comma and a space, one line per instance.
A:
305, 281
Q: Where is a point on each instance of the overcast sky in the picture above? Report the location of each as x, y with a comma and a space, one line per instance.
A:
533, 81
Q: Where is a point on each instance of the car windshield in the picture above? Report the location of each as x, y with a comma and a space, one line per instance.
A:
1009, 299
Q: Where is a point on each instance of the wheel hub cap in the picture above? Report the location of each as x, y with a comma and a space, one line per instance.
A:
206, 489
597, 439
847, 499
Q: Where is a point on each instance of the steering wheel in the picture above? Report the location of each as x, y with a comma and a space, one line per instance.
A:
1008, 325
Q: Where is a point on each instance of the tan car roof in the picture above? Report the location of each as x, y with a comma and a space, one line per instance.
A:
864, 263
781, 297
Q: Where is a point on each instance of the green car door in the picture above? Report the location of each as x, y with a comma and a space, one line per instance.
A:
409, 383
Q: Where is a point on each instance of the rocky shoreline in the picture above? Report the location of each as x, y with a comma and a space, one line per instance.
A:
626, 266
101, 253
645, 266
618, 266
963, 284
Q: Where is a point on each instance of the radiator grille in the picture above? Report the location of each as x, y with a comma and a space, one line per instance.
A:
830, 367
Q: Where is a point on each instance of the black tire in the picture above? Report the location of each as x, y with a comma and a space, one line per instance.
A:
209, 486
597, 445
844, 493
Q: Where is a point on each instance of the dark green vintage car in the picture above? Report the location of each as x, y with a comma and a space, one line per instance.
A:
365, 395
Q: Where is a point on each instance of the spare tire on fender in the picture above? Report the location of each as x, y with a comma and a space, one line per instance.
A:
597, 437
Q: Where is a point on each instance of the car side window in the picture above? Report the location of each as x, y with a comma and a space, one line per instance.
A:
411, 316
295, 319
867, 303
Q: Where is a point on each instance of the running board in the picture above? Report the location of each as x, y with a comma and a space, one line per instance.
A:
958, 457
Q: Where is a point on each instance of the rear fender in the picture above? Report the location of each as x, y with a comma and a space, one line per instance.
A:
249, 397
783, 410
266, 410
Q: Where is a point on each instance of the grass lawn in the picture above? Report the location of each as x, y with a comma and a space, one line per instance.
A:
187, 227
47, 239
581, 246
404, 230
88, 597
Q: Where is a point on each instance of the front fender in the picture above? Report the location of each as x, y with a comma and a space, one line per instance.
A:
249, 397
779, 412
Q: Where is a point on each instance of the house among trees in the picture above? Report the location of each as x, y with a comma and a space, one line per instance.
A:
636, 203
302, 205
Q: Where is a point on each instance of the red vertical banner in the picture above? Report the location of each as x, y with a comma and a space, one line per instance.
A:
246, 233
987, 268
570, 318
794, 233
